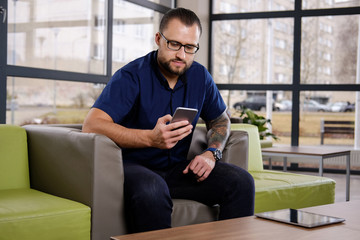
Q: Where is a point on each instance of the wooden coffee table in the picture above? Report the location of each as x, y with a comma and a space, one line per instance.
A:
319, 153
254, 228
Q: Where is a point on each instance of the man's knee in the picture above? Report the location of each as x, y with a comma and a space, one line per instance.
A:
239, 182
245, 182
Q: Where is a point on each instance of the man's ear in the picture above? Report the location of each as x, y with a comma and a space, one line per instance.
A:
157, 38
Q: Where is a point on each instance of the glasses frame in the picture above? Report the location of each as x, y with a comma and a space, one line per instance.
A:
181, 45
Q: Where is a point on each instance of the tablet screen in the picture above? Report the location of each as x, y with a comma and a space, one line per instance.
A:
300, 218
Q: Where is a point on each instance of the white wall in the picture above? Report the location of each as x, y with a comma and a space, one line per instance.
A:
201, 8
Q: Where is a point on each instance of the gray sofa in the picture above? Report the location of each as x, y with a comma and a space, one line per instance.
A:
87, 168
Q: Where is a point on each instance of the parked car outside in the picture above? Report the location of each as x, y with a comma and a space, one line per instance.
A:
350, 108
342, 107
256, 103
283, 105
313, 106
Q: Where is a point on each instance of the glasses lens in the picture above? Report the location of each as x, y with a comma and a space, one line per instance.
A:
190, 49
174, 45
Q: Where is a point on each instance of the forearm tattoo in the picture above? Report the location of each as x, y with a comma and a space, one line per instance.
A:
219, 131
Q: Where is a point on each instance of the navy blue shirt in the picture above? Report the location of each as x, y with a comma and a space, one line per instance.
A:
138, 95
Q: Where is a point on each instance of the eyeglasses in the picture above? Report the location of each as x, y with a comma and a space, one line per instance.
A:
176, 46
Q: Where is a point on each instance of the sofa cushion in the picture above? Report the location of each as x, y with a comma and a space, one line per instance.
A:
14, 170
278, 190
186, 212
30, 214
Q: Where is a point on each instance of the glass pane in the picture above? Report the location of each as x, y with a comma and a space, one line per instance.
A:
317, 106
238, 6
47, 101
61, 35
166, 3
329, 49
282, 117
243, 50
314, 4
134, 31
256, 100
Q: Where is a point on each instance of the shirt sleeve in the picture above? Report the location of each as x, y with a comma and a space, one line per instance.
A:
119, 95
214, 104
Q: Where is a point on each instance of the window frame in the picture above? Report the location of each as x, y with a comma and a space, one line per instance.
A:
8, 70
296, 86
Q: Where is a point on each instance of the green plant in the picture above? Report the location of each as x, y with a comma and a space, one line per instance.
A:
248, 116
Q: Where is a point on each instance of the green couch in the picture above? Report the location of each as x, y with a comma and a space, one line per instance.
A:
87, 168
277, 190
26, 213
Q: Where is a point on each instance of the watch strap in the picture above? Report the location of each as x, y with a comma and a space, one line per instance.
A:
216, 153
210, 149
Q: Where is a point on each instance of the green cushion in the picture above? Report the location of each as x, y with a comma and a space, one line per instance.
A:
278, 190
30, 214
14, 170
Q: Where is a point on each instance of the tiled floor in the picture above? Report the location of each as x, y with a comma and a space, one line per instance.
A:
341, 185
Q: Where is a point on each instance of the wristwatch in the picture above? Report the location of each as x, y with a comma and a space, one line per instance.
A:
216, 153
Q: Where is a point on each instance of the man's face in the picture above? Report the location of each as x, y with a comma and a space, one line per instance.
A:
174, 63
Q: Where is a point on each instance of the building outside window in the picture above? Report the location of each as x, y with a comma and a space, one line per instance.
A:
68, 48
72, 38
327, 58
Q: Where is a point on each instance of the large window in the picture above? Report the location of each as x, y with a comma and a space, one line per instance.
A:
45, 101
301, 52
328, 49
253, 51
134, 28
59, 54
49, 34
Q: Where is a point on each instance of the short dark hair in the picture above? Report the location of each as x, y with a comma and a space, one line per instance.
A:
186, 16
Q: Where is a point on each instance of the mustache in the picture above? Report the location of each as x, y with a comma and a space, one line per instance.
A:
178, 60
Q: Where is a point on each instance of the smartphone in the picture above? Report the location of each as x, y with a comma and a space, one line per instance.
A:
182, 113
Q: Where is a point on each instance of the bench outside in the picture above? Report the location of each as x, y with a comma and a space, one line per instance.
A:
328, 127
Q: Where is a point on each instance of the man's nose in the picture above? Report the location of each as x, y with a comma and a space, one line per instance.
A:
181, 53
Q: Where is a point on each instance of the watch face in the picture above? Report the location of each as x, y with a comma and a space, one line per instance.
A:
217, 154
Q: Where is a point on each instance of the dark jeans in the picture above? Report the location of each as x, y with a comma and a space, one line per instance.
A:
148, 193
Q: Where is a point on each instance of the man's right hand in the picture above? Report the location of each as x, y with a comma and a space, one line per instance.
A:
166, 135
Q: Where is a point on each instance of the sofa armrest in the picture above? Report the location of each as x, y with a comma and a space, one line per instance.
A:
83, 167
235, 151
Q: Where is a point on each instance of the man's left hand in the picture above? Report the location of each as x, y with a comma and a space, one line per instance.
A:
201, 166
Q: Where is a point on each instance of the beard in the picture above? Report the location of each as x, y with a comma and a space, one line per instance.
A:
173, 70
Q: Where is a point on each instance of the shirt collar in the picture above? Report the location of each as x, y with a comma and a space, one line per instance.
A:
161, 77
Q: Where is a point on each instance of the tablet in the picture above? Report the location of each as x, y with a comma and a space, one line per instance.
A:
300, 218
182, 113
